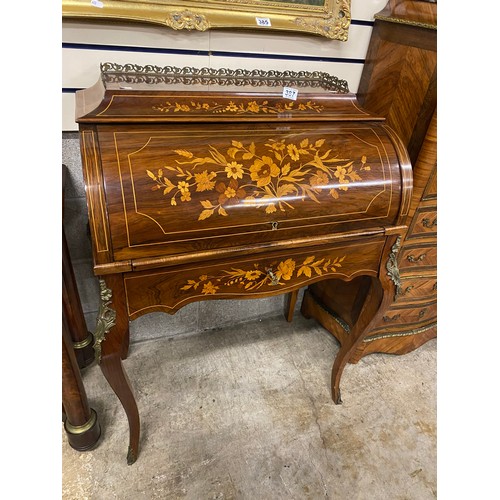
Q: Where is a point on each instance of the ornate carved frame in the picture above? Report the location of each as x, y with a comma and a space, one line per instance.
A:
331, 18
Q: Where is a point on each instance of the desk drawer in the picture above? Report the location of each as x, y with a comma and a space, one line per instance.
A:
417, 288
169, 289
418, 257
398, 316
424, 223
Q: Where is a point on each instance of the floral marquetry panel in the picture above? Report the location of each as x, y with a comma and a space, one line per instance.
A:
169, 290
232, 108
193, 187
169, 107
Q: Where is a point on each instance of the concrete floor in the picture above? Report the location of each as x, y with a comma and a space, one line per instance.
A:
245, 413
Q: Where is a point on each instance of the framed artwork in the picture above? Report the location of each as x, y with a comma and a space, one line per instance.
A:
328, 18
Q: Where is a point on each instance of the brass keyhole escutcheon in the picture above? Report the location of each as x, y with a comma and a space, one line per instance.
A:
274, 226
274, 279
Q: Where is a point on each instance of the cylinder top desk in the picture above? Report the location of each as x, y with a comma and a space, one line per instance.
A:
220, 184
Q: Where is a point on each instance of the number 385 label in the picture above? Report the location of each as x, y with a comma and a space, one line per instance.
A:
263, 21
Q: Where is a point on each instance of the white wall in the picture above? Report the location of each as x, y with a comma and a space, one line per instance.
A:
87, 44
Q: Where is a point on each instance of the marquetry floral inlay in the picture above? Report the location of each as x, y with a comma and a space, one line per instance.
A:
270, 176
257, 276
251, 107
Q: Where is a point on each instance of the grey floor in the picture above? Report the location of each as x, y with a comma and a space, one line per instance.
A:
245, 412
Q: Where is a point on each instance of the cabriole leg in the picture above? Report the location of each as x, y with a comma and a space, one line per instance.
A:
111, 338
112, 368
381, 293
369, 310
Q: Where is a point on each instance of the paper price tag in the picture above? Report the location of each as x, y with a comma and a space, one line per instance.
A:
97, 3
263, 21
290, 93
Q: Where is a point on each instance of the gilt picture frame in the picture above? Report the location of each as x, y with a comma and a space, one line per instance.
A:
327, 18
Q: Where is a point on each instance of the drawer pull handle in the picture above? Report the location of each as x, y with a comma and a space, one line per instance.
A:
426, 222
274, 279
394, 318
420, 258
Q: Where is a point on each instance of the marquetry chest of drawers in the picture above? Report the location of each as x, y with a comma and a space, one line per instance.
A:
399, 82
219, 184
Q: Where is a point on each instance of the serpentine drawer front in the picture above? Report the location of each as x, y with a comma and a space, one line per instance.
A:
207, 184
424, 223
168, 290
418, 257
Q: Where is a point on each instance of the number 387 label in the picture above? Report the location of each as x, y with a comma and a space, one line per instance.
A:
263, 21
290, 93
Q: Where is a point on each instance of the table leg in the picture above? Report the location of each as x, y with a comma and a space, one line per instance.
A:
381, 293
111, 335
290, 301
368, 312
125, 345
112, 368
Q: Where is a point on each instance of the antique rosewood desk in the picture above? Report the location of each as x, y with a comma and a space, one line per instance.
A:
220, 184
